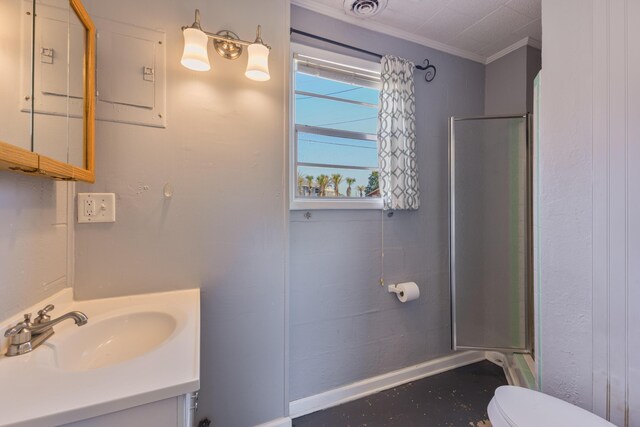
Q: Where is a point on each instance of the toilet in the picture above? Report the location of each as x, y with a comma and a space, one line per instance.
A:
520, 407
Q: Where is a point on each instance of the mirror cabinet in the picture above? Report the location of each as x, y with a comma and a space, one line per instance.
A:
47, 113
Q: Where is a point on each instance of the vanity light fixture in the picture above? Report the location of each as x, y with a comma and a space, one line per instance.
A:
228, 45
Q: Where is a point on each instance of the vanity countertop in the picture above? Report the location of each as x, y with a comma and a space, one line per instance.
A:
133, 350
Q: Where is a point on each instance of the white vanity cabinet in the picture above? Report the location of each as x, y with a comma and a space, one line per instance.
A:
175, 412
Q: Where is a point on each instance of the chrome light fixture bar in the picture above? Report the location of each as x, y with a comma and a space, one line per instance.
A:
228, 45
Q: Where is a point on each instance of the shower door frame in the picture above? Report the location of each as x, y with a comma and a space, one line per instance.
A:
528, 292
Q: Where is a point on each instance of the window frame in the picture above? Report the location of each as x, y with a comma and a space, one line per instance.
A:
299, 203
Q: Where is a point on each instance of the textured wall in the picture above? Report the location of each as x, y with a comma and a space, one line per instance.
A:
224, 228
589, 206
344, 326
33, 240
509, 82
565, 201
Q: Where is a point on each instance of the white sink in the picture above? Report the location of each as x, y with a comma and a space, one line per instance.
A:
133, 350
113, 340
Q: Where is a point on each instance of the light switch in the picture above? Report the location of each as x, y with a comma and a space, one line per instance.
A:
96, 207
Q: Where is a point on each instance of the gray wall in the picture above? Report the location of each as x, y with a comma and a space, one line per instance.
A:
590, 206
224, 228
534, 65
344, 326
33, 240
509, 82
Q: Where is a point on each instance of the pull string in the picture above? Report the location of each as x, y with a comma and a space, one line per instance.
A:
381, 247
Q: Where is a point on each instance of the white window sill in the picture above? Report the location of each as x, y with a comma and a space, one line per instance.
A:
298, 204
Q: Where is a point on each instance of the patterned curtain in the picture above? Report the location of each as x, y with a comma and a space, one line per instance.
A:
397, 136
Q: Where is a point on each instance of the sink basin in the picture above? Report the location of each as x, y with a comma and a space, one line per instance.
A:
135, 349
113, 340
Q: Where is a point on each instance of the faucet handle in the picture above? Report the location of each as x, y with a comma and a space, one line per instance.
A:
46, 309
20, 328
42, 314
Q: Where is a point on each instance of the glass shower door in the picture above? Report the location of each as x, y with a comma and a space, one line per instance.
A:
490, 233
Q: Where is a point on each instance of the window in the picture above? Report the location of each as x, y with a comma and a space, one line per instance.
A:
334, 146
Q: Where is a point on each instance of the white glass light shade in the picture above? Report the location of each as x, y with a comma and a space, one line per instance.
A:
195, 56
258, 63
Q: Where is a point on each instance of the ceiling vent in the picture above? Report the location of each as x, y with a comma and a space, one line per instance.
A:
364, 8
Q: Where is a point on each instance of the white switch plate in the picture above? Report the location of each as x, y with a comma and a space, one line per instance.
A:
96, 207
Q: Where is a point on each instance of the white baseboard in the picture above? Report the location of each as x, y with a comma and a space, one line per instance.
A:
278, 422
373, 385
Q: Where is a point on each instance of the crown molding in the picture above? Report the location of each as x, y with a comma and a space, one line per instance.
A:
388, 30
527, 41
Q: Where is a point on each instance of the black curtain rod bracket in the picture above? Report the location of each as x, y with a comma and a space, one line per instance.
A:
430, 70
426, 66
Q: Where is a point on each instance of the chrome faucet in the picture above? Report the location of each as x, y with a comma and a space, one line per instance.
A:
26, 335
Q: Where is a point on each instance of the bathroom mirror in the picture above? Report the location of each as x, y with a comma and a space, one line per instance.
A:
15, 113
49, 50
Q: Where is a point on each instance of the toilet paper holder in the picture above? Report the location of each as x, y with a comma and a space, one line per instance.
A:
394, 290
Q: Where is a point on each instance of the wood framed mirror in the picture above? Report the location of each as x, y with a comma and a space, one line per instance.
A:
48, 50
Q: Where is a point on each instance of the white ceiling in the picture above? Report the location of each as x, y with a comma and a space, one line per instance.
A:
476, 29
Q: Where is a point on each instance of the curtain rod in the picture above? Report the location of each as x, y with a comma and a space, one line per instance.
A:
430, 69
326, 40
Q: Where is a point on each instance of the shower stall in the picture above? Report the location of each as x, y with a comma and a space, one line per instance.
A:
490, 193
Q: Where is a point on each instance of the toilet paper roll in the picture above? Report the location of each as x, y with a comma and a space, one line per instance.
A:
407, 291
